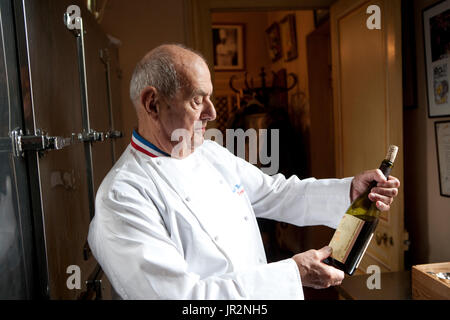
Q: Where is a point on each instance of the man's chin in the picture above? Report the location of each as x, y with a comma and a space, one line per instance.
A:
182, 150
197, 141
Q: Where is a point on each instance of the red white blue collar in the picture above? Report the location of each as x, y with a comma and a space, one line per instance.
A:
144, 146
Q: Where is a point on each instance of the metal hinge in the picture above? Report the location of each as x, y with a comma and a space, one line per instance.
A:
91, 136
94, 136
114, 134
40, 141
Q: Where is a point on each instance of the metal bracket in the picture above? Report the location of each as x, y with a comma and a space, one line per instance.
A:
91, 136
94, 136
384, 238
113, 134
93, 286
96, 287
39, 141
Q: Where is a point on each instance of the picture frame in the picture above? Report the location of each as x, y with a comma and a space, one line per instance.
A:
442, 131
436, 30
228, 47
289, 37
274, 42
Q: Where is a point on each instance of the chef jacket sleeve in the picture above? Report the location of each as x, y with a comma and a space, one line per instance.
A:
129, 239
300, 202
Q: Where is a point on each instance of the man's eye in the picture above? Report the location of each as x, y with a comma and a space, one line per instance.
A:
197, 101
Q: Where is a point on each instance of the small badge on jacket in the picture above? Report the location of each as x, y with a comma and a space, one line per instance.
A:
238, 188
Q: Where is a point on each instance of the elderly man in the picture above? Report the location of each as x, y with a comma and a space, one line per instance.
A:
177, 219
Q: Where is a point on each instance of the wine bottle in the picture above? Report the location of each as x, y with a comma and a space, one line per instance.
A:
357, 226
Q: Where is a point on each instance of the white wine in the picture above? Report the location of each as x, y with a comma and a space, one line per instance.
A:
356, 228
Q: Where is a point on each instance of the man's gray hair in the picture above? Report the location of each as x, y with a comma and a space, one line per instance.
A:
158, 70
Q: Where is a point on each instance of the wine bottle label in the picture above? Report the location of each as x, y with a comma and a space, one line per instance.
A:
345, 236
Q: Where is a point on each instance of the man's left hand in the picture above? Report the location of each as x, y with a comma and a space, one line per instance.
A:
383, 193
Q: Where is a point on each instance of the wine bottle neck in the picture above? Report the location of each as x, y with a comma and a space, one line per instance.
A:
386, 167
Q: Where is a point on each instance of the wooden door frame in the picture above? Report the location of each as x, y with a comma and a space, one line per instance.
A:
197, 17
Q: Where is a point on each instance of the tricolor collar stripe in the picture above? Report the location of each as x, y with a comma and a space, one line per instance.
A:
148, 143
145, 149
144, 146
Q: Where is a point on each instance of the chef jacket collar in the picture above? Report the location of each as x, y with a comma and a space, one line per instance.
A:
144, 146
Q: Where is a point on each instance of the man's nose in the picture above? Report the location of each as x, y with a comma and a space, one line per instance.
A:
209, 112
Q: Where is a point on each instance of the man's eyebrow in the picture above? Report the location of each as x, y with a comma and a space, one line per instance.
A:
200, 92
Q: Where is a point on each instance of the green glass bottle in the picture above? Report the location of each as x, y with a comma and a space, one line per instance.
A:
357, 226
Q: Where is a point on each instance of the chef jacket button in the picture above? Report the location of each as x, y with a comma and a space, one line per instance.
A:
216, 238
188, 199
246, 218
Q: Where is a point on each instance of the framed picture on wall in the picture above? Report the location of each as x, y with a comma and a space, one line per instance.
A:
274, 42
289, 37
436, 24
442, 130
228, 47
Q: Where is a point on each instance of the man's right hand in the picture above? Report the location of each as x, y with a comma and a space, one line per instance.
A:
314, 273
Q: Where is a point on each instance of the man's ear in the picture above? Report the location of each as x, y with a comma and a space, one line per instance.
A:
149, 101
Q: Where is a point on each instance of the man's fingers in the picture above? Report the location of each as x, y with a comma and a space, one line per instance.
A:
334, 276
392, 182
377, 175
314, 273
382, 206
338, 276
379, 197
384, 193
324, 253
388, 192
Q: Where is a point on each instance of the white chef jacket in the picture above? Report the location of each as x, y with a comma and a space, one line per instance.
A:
167, 228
